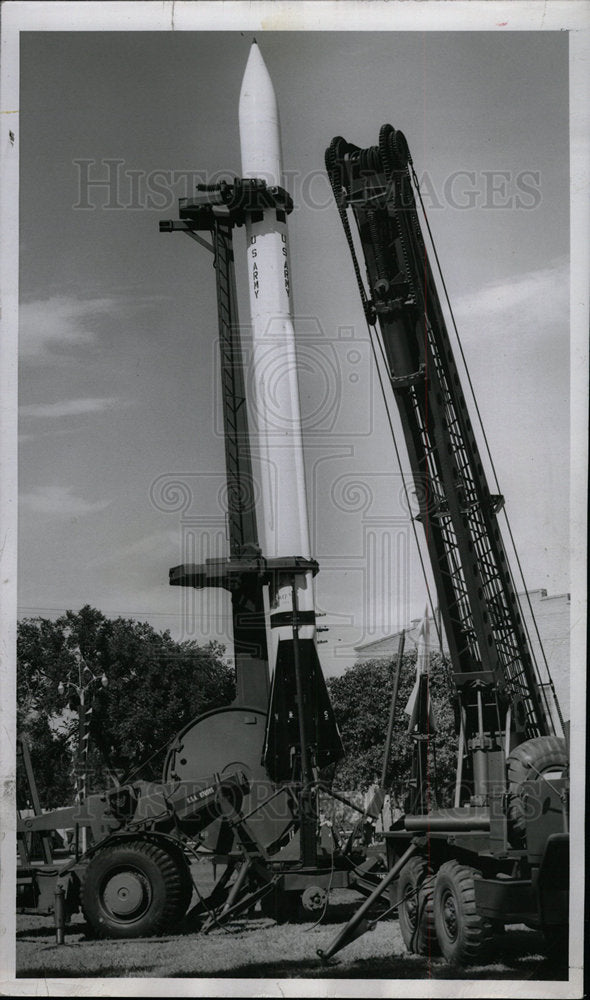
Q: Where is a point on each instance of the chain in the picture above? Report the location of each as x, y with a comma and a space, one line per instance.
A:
386, 142
338, 192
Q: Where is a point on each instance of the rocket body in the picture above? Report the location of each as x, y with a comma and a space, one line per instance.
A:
283, 521
301, 731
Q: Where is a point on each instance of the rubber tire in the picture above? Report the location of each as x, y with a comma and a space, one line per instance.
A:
187, 880
471, 940
416, 915
283, 907
525, 763
556, 942
164, 875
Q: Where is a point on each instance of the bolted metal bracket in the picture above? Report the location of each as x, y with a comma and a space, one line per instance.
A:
231, 574
227, 203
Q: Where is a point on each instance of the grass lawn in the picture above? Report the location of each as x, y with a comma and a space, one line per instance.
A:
256, 947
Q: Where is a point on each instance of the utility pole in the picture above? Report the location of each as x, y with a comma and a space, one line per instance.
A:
86, 680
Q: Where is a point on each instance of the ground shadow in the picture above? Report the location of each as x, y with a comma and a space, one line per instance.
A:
518, 955
40, 972
394, 967
399, 967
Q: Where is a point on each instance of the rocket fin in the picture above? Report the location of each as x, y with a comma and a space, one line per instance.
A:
281, 742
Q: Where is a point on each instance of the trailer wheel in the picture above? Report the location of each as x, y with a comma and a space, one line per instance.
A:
463, 934
416, 913
135, 889
186, 893
527, 762
282, 906
314, 900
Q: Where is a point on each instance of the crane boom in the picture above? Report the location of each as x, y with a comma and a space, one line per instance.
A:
500, 853
476, 593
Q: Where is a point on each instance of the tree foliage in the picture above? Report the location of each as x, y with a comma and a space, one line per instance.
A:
361, 698
155, 687
51, 759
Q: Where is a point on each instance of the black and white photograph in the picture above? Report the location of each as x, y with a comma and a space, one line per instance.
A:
294, 369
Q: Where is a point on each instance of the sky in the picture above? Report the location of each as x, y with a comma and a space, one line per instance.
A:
118, 380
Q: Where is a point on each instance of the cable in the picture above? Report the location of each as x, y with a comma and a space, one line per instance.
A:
211, 912
399, 462
372, 330
483, 431
327, 902
495, 476
426, 884
403, 477
337, 190
120, 614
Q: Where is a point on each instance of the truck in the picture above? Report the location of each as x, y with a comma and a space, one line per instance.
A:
499, 853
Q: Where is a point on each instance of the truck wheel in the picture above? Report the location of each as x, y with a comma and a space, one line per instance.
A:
416, 914
463, 934
556, 940
135, 889
526, 763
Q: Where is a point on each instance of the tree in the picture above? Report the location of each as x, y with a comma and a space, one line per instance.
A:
361, 698
51, 759
155, 686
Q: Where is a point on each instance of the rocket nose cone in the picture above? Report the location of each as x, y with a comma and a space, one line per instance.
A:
259, 122
256, 76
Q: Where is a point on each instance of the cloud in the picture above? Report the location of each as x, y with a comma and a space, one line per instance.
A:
52, 433
59, 501
162, 541
71, 407
56, 324
534, 298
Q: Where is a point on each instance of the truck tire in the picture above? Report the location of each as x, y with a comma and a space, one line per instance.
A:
526, 763
463, 934
135, 889
556, 944
416, 913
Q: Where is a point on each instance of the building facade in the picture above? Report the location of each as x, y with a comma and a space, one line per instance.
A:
552, 616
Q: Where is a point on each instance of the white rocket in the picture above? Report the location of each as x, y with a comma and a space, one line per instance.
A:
283, 522
301, 733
